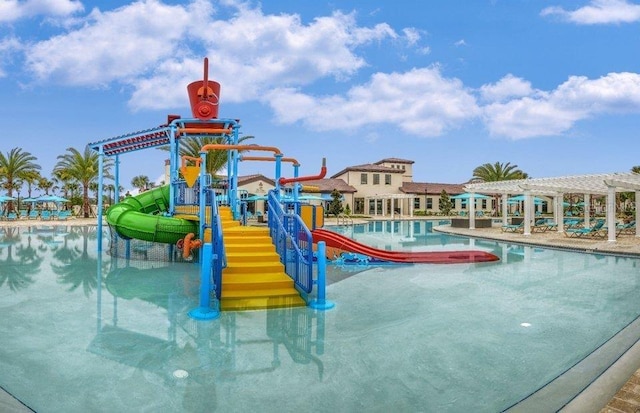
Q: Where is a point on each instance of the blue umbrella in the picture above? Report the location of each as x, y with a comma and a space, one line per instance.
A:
51, 198
5, 198
520, 198
467, 195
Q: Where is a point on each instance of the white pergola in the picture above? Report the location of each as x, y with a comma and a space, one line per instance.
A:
598, 184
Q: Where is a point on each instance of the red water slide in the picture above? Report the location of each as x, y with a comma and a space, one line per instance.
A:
342, 243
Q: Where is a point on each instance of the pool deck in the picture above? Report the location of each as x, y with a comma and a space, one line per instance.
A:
624, 397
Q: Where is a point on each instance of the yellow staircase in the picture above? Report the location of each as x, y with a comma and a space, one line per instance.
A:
254, 278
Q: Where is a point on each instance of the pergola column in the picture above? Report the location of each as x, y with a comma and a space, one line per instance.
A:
611, 213
587, 209
527, 212
472, 211
505, 209
558, 217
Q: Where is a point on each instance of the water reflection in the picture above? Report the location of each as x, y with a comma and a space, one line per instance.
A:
402, 235
17, 272
25, 250
196, 357
74, 264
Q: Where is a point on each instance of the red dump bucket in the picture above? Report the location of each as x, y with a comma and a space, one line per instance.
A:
204, 106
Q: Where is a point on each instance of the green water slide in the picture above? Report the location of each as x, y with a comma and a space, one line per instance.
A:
142, 217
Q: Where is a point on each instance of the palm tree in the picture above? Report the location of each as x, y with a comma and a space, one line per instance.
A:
30, 178
93, 186
216, 159
141, 182
63, 181
14, 165
110, 188
498, 172
45, 185
84, 168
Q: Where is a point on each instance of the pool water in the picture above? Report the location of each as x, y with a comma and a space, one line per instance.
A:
86, 333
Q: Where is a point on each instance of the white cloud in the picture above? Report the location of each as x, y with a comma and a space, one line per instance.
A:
116, 45
420, 102
460, 43
506, 88
12, 10
412, 35
598, 12
554, 113
156, 49
8, 47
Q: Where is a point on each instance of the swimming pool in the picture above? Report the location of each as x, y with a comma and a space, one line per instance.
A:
86, 333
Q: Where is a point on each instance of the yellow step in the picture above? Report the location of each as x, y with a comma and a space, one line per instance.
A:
261, 267
233, 248
261, 303
254, 278
253, 256
275, 281
247, 230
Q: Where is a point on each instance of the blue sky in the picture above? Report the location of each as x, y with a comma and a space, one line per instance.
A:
551, 86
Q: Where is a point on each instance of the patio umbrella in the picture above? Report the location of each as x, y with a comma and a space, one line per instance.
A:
5, 198
257, 198
467, 195
520, 198
52, 198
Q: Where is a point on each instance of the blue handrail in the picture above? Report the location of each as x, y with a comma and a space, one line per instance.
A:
293, 242
219, 255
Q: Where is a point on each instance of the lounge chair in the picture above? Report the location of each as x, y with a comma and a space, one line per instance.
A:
596, 230
513, 227
540, 225
63, 215
23, 214
12, 216
626, 229
572, 222
45, 215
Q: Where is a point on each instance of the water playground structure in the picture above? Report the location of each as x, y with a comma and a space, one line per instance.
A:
199, 218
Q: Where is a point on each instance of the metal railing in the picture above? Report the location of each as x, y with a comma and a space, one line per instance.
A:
293, 242
219, 255
344, 220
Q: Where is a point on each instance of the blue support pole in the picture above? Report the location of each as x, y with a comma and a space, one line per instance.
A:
296, 185
100, 192
321, 303
235, 202
202, 193
116, 192
204, 311
173, 167
278, 157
